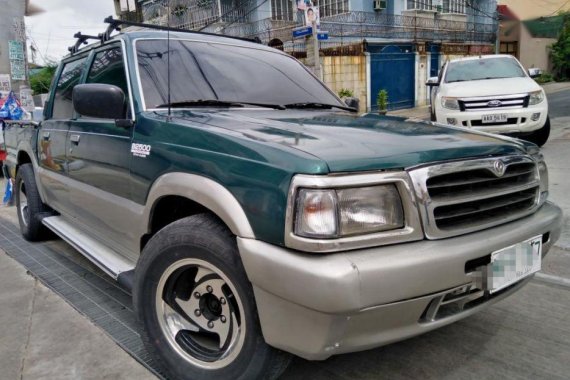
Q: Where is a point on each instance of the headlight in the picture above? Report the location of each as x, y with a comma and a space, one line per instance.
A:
316, 213
450, 103
346, 212
536, 97
543, 173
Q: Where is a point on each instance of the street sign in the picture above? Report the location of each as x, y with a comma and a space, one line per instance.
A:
302, 31
16, 50
322, 35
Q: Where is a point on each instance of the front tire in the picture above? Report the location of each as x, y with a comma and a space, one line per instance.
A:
31, 209
540, 136
197, 306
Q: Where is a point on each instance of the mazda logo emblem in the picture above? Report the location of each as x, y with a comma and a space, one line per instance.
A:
499, 168
495, 103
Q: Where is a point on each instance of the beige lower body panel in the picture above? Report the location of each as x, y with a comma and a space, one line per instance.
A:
314, 335
318, 305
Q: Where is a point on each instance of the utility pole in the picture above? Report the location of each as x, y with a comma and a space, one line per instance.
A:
317, 67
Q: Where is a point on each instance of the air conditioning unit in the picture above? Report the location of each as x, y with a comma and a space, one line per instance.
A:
380, 4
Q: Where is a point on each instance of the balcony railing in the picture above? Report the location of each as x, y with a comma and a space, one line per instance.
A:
196, 14
355, 25
232, 17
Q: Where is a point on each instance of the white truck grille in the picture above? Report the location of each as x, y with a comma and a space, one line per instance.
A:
494, 102
466, 196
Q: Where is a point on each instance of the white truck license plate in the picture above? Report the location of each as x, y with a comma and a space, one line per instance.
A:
495, 118
511, 264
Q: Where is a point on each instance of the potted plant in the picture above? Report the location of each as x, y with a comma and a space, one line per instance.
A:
345, 93
382, 102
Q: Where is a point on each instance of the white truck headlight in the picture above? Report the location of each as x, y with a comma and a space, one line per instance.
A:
449, 103
348, 211
536, 97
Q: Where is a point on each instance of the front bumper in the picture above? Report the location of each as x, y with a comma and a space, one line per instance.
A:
519, 119
316, 306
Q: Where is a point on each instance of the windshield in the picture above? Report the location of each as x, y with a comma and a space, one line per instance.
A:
213, 71
479, 69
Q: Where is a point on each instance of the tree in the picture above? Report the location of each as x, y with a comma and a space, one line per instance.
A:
41, 80
561, 50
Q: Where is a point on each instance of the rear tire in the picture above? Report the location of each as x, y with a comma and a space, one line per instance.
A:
31, 209
197, 306
540, 136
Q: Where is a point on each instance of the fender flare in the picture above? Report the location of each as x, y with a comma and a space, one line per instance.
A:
203, 191
26, 147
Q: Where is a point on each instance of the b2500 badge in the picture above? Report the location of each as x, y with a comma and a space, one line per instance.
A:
140, 150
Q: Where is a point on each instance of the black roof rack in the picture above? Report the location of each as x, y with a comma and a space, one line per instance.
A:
115, 24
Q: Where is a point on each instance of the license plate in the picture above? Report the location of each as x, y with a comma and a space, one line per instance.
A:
495, 118
511, 264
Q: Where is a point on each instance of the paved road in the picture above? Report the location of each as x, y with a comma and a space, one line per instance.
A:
558, 104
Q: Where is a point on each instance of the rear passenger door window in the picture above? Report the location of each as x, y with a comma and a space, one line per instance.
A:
70, 76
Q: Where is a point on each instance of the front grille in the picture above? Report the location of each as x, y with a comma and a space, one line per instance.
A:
461, 197
496, 102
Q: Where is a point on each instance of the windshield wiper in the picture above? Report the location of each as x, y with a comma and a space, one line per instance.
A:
476, 79
319, 106
218, 103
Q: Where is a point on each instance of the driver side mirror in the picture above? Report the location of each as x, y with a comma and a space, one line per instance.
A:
98, 100
433, 81
534, 72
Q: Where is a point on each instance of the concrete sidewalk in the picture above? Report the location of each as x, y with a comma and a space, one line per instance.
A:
421, 112
42, 337
554, 87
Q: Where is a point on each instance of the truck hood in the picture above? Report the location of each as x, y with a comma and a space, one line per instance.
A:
348, 142
489, 87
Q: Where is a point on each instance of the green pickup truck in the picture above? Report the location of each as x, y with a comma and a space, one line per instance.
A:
253, 215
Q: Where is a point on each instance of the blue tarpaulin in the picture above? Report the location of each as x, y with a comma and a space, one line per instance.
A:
11, 109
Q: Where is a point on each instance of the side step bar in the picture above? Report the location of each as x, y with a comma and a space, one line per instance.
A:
106, 259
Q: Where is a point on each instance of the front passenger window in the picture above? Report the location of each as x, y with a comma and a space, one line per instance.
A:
108, 68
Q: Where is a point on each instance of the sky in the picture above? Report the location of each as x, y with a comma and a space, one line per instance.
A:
52, 31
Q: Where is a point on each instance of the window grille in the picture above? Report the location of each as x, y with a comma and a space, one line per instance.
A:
454, 6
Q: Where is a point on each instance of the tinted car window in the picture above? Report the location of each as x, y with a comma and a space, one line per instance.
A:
70, 76
479, 69
108, 68
200, 71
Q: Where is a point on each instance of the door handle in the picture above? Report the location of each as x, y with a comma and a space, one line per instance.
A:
46, 136
74, 139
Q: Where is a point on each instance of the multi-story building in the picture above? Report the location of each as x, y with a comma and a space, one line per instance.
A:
372, 45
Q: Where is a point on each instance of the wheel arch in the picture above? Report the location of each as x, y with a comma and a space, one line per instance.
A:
192, 194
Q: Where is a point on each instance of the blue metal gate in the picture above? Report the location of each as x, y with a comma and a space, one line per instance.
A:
435, 51
392, 68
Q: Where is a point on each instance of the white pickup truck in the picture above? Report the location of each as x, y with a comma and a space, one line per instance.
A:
492, 93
